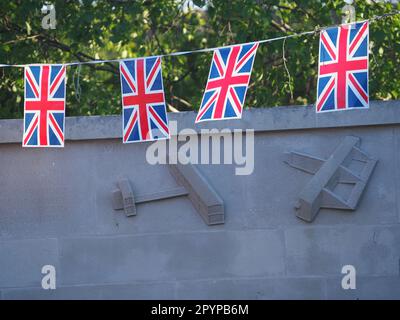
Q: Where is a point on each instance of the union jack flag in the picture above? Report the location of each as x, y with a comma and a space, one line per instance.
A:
343, 68
44, 106
144, 112
227, 83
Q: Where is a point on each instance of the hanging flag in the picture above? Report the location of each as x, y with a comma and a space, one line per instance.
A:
227, 83
343, 68
144, 114
44, 106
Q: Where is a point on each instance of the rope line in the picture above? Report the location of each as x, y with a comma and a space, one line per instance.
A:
180, 53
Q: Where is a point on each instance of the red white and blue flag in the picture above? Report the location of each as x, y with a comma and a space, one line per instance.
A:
144, 114
227, 83
343, 68
44, 106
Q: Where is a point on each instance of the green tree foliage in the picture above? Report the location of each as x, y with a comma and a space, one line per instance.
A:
113, 29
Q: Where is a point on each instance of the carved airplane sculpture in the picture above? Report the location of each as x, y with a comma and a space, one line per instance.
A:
337, 169
191, 183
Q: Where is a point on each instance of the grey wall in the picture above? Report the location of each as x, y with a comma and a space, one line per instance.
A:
55, 208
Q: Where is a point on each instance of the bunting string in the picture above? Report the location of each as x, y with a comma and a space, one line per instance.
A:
342, 84
180, 53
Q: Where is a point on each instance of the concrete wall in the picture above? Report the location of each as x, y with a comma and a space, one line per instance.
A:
55, 208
